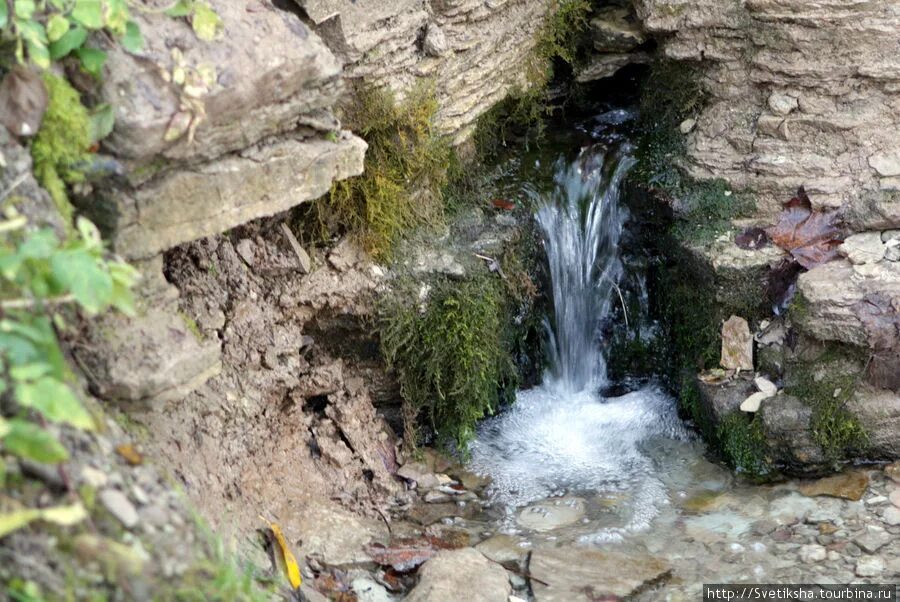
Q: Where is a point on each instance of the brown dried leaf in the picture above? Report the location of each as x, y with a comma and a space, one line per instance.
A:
23, 101
131, 455
811, 237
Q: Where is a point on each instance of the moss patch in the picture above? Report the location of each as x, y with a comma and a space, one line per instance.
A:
449, 353
405, 171
826, 383
61, 143
743, 444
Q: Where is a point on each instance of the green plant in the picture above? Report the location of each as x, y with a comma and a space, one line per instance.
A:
61, 145
40, 277
50, 30
406, 168
448, 353
562, 30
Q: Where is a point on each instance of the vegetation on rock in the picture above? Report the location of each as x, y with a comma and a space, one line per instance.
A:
405, 170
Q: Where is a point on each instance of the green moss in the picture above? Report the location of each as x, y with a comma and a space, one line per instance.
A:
61, 143
744, 446
826, 383
448, 353
405, 171
191, 325
562, 31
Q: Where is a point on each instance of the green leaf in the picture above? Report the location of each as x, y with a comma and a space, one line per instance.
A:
4, 14
133, 40
39, 245
206, 23
24, 9
72, 39
102, 121
92, 60
29, 371
4, 427
13, 521
29, 441
57, 26
181, 8
89, 233
39, 54
116, 16
55, 401
88, 13
78, 271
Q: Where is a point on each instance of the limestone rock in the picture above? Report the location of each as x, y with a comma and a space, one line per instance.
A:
614, 29
435, 42
878, 412
463, 574
752, 403
737, 344
720, 400
863, 248
185, 205
786, 426
782, 104
336, 536
607, 65
270, 70
580, 574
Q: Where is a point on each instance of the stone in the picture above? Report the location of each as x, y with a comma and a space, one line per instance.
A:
869, 566
890, 235
863, 248
878, 412
886, 164
505, 550
752, 403
894, 497
873, 539
304, 263
891, 515
606, 65
369, 590
893, 471
334, 535
551, 514
187, 204
782, 104
786, 427
765, 386
120, 507
614, 29
419, 474
570, 574
244, 249
464, 574
720, 400
737, 344
892, 251
435, 42
849, 486
93, 478
687, 126
812, 553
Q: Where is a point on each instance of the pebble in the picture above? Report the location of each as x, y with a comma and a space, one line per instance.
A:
869, 566
874, 501
895, 497
812, 553
120, 507
891, 515
140, 496
93, 477
872, 540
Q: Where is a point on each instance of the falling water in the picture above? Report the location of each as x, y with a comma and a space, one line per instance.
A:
582, 224
563, 437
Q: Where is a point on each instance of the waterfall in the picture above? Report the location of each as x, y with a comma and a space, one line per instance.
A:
582, 223
562, 437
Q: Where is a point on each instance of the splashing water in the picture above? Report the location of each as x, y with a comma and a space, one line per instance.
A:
563, 437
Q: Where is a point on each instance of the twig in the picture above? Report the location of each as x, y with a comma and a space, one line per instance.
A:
621, 298
16, 183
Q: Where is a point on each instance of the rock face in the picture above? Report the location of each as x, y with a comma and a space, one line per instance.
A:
474, 52
801, 94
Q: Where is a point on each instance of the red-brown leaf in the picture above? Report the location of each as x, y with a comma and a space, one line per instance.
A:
503, 204
811, 237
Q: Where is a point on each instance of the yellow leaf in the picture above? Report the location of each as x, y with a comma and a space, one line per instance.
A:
16, 520
65, 516
285, 557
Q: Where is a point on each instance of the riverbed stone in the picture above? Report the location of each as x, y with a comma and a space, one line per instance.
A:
869, 566
120, 506
464, 574
813, 553
570, 574
552, 513
873, 539
335, 536
506, 550
850, 486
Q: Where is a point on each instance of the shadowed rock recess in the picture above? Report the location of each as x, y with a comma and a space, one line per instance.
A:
281, 395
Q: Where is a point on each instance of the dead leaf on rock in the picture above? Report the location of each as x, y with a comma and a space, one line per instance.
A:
406, 554
23, 101
811, 237
737, 344
131, 455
